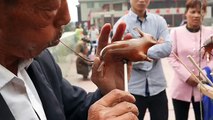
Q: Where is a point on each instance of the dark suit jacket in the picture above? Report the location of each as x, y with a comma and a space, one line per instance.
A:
61, 101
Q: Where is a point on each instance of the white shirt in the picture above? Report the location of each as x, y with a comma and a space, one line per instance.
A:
20, 94
94, 34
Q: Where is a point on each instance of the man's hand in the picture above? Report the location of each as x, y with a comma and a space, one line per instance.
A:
108, 68
116, 105
129, 49
109, 74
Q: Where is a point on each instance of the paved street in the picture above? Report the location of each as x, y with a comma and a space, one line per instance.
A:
69, 72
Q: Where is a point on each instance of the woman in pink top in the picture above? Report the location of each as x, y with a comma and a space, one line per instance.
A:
187, 40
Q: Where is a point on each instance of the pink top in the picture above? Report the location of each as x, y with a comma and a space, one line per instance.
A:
187, 43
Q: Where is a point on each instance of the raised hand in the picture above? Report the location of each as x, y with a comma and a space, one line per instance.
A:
108, 66
107, 73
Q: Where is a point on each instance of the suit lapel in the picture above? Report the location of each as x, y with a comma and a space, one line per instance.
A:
5, 113
49, 100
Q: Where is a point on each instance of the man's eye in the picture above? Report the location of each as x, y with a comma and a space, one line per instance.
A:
48, 13
48, 9
51, 11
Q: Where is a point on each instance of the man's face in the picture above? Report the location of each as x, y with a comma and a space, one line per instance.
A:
31, 25
139, 5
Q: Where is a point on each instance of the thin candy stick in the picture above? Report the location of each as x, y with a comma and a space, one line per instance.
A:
125, 76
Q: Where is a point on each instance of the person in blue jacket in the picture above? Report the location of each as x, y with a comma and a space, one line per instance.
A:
208, 102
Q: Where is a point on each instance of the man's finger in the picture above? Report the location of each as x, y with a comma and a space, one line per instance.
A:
111, 48
122, 108
95, 67
116, 96
127, 36
119, 32
126, 116
103, 38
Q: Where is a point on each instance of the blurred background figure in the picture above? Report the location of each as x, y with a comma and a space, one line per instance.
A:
187, 40
93, 35
83, 67
78, 32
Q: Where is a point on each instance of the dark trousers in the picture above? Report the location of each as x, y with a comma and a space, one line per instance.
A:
181, 109
157, 106
92, 43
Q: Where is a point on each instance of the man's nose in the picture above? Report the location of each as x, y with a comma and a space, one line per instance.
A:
63, 16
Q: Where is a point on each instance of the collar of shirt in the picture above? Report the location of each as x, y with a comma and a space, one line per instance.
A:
20, 83
136, 17
6, 76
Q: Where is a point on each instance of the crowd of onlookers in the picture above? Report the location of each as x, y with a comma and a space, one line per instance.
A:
147, 82
86, 44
